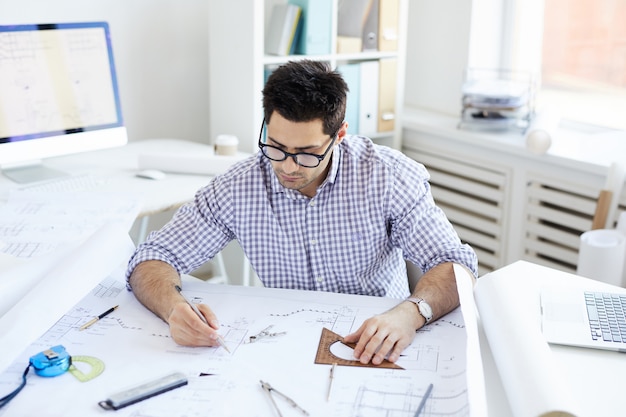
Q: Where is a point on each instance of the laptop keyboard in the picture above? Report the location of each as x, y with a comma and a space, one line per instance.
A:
607, 316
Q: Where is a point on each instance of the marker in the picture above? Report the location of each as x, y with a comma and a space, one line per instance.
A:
95, 319
423, 402
221, 341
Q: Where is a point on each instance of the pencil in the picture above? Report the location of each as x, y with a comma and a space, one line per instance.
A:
220, 340
423, 402
330, 381
95, 319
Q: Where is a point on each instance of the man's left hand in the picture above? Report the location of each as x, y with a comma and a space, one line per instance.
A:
386, 335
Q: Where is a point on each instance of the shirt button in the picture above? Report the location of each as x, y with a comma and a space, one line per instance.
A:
313, 242
319, 279
312, 203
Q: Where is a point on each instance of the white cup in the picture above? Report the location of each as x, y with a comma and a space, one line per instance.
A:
226, 145
601, 255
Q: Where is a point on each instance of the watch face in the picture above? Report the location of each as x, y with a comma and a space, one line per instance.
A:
425, 310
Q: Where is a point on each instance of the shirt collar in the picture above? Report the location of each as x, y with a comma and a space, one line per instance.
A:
277, 187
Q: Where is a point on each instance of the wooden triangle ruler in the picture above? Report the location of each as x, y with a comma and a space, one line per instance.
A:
325, 356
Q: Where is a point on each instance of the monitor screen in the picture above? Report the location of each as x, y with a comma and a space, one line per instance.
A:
59, 93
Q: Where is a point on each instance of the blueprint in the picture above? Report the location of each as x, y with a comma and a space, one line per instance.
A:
33, 224
135, 347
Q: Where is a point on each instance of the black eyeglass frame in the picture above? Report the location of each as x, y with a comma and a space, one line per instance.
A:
320, 158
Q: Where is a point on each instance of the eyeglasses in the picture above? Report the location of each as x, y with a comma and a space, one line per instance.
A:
304, 159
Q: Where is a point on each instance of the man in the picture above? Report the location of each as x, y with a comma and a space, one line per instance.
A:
315, 209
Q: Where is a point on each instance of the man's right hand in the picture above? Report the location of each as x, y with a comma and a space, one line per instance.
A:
154, 285
188, 329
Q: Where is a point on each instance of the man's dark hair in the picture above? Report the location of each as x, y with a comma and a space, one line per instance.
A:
302, 91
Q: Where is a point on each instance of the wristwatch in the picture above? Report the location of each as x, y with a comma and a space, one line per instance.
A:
423, 307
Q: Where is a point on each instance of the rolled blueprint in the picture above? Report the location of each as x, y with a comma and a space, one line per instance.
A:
64, 283
534, 384
601, 255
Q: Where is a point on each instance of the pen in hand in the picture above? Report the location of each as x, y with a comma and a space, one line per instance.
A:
95, 319
221, 341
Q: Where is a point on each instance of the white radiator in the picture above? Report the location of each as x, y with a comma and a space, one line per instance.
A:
557, 213
474, 199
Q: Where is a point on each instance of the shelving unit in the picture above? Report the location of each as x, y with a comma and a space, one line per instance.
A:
237, 62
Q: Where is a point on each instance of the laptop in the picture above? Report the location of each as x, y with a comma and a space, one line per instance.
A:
584, 317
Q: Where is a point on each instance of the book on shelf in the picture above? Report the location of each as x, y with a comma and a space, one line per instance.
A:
284, 29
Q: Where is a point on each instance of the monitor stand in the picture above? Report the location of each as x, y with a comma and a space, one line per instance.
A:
32, 173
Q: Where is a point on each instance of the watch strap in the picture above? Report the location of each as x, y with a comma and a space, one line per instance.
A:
417, 301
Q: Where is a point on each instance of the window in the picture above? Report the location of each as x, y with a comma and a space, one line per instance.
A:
577, 49
583, 68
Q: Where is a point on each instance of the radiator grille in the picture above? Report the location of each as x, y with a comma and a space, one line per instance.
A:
557, 213
473, 198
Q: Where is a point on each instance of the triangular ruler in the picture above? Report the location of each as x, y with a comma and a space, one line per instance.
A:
325, 356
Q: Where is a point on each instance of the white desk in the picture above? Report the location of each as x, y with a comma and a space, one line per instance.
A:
594, 377
599, 397
120, 166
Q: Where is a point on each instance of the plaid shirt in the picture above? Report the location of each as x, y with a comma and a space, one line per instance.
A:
374, 209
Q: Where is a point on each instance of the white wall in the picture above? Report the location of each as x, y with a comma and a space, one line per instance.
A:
437, 54
161, 53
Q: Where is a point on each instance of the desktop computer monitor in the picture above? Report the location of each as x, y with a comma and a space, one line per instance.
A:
58, 95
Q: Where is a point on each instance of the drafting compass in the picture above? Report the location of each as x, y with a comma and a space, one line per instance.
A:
325, 355
265, 333
269, 390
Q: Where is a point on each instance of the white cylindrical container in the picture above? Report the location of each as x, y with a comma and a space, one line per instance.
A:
601, 255
621, 226
226, 145
621, 222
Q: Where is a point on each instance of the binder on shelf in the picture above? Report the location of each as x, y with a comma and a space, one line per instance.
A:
368, 98
359, 18
283, 30
350, 17
370, 28
316, 26
352, 75
387, 94
388, 20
